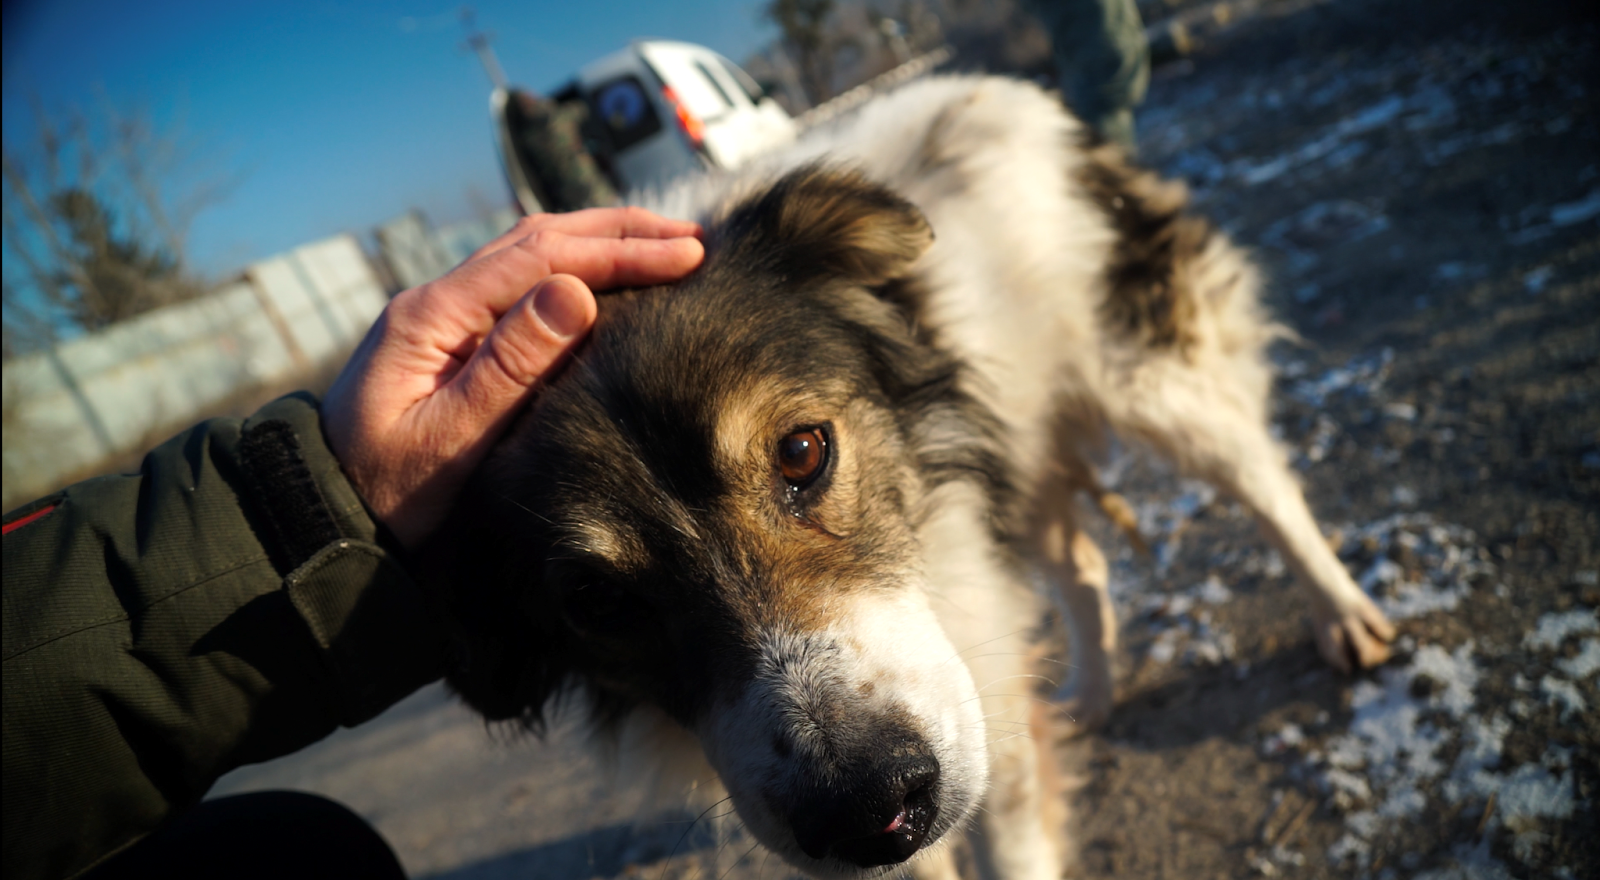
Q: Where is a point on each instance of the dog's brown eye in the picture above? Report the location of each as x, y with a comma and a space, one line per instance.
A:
801, 456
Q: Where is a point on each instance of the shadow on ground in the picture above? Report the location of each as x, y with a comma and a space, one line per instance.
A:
602, 852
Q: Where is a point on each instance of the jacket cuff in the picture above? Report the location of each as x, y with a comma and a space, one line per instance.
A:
368, 618
364, 611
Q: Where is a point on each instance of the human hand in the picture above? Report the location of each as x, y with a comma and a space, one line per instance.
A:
447, 366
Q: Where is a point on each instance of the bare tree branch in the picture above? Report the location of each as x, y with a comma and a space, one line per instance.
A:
805, 33
97, 211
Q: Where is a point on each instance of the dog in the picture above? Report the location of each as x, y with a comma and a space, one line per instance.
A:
793, 507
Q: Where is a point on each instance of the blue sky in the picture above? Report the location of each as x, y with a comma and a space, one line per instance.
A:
331, 116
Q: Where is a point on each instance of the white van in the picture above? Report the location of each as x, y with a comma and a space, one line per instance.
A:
660, 109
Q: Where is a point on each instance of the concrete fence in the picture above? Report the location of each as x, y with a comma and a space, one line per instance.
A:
106, 395
416, 252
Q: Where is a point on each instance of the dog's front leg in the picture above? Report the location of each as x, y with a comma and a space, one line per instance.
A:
939, 864
1069, 559
1014, 841
990, 612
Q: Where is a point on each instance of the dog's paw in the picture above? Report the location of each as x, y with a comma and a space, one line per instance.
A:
1354, 637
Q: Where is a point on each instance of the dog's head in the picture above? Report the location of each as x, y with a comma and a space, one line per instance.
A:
715, 510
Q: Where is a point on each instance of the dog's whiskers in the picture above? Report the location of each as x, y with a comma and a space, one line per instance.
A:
685, 835
1002, 711
1003, 720
1004, 739
1048, 681
740, 859
997, 638
1040, 700
1020, 654
1004, 735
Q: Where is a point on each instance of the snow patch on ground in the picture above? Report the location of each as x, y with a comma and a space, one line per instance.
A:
1471, 863
1404, 726
1362, 375
1554, 628
1291, 736
1212, 591
1379, 770
1322, 438
1389, 740
1563, 695
1183, 632
1407, 723
1585, 664
1411, 564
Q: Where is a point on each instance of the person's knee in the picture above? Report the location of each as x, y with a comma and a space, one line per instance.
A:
1102, 61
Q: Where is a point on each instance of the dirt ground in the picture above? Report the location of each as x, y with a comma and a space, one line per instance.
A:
1422, 181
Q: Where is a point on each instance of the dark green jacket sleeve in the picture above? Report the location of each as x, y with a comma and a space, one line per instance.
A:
228, 604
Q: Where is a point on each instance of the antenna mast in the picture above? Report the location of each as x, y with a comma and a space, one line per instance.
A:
478, 42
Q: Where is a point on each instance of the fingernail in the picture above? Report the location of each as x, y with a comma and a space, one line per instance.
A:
562, 307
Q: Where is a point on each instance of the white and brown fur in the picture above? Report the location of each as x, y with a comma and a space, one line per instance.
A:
968, 297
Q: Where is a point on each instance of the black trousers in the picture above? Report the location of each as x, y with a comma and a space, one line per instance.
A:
270, 834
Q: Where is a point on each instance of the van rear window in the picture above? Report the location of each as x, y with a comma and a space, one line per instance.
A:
625, 108
715, 83
751, 89
676, 68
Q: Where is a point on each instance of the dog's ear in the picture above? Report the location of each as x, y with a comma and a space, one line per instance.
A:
819, 220
500, 659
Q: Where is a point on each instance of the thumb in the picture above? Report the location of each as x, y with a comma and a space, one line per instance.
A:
527, 341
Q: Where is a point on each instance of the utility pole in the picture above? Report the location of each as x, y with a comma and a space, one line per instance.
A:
478, 42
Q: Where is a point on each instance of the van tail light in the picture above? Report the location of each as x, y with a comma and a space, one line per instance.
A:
693, 128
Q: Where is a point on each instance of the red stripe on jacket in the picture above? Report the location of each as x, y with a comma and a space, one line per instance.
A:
21, 521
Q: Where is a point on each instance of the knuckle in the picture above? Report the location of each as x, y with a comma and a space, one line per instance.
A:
522, 360
407, 302
541, 241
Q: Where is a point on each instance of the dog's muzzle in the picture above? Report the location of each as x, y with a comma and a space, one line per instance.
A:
876, 811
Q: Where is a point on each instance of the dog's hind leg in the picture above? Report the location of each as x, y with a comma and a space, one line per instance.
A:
1217, 432
1184, 370
1068, 558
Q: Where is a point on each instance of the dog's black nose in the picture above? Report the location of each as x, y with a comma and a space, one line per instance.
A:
876, 813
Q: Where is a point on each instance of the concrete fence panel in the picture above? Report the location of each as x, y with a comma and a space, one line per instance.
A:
105, 395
